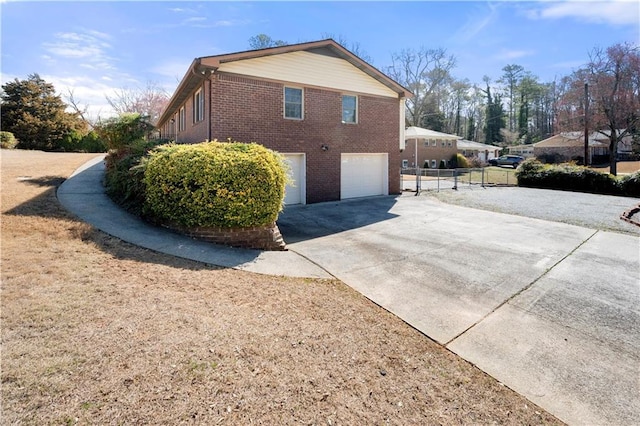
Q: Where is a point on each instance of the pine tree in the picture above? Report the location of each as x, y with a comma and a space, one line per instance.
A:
36, 116
495, 118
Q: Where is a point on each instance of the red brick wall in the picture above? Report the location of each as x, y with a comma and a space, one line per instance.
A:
430, 152
259, 237
250, 110
194, 132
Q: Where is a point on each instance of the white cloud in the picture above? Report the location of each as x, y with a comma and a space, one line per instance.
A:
476, 24
597, 12
195, 19
508, 55
181, 10
90, 46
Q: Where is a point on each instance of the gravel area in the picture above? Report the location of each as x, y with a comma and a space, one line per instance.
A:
576, 208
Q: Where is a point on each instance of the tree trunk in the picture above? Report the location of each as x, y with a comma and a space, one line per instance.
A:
613, 150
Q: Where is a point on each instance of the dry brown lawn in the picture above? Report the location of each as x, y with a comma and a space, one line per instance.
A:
622, 167
97, 331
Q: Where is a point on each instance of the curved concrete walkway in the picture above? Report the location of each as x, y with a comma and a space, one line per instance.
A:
549, 309
83, 194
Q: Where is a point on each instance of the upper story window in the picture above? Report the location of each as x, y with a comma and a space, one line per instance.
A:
293, 98
198, 106
349, 109
433, 143
182, 120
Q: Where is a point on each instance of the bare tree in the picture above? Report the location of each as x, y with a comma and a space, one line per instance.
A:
423, 72
263, 41
354, 47
148, 101
81, 112
613, 78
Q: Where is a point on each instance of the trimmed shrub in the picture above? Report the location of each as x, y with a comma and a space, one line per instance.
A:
7, 140
459, 161
630, 185
567, 176
213, 184
124, 177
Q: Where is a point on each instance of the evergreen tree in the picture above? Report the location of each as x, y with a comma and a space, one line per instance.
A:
495, 118
32, 111
471, 129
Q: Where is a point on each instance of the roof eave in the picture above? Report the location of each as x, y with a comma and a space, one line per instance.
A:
214, 62
193, 77
197, 71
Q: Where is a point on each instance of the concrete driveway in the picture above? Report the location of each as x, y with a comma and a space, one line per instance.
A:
549, 309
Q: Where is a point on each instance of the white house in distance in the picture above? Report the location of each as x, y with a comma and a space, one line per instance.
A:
525, 151
481, 151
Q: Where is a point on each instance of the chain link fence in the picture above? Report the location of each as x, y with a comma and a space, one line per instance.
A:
446, 179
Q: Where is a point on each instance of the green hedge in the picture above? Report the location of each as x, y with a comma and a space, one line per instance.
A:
571, 177
213, 184
7, 140
124, 177
459, 161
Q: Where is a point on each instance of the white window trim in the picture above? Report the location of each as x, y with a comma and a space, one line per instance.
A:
198, 106
284, 103
342, 108
182, 118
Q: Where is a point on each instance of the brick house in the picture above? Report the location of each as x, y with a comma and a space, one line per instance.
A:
431, 148
338, 121
569, 146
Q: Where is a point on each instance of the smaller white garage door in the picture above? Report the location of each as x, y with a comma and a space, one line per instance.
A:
364, 175
295, 191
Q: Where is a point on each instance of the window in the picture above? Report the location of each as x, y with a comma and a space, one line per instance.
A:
293, 103
182, 125
443, 144
349, 109
433, 143
198, 106
426, 144
433, 164
448, 143
405, 164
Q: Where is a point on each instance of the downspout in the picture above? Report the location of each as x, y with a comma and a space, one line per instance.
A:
203, 75
210, 108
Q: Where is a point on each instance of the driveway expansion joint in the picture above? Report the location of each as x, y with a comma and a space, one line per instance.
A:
524, 289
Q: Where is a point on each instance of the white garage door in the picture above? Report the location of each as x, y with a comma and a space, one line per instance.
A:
363, 175
295, 191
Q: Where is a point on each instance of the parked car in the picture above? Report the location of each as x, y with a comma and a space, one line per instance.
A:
507, 160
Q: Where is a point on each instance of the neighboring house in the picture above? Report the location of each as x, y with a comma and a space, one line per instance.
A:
338, 121
481, 151
570, 146
525, 151
430, 147
625, 146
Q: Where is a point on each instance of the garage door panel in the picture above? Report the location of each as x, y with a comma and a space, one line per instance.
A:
363, 175
295, 191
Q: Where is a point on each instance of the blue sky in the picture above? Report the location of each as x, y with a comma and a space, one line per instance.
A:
96, 48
